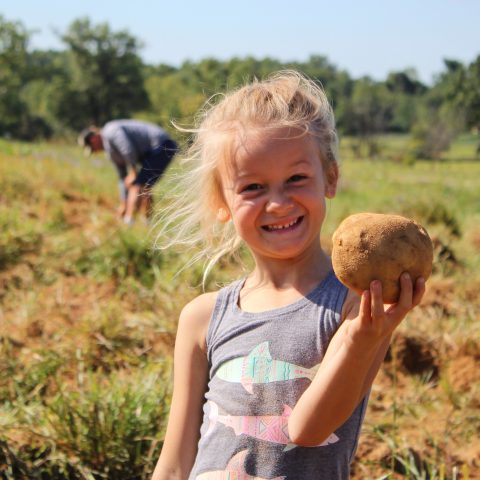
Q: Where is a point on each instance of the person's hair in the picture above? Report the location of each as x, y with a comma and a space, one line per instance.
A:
285, 99
89, 136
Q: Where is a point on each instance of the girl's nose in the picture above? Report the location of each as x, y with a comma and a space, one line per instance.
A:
279, 202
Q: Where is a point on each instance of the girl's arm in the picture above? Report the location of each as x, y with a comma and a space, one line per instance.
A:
190, 383
351, 363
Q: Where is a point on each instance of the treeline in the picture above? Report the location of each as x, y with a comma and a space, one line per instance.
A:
100, 76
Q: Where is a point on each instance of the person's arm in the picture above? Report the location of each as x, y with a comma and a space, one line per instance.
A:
123, 193
124, 144
127, 175
121, 168
350, 364
190, 383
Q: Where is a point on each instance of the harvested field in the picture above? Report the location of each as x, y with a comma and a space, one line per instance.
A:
88, 318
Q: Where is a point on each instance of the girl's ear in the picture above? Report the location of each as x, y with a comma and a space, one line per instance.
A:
223, 215
331, 179
330, 190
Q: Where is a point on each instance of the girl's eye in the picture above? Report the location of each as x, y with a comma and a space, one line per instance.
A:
297, 178
253, 187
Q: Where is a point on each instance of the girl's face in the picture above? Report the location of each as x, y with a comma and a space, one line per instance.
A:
275, 191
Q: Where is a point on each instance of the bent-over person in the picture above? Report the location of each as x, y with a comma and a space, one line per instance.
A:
140, 151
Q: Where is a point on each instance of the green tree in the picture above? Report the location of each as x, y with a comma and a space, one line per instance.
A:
242, 70
14, 40
405, 82
48, 78
106, 74
472, 98
472, 94
442, 113
405, 91
368, 113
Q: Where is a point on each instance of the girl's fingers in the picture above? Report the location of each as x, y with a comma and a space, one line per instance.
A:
409, 297
405, 299
419, 291
378, 310
372, 309
365, 307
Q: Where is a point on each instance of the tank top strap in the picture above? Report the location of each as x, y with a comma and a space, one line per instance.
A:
227, 296
332, 295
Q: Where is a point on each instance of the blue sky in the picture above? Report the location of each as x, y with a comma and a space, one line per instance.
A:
364, 37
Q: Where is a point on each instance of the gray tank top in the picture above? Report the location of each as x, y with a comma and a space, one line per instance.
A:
260, 364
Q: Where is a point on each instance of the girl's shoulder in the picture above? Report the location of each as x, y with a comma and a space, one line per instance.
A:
201, 306
195, 317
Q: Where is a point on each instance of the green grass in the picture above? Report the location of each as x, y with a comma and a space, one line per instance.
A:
108, 427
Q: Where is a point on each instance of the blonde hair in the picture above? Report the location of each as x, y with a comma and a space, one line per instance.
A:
285, 99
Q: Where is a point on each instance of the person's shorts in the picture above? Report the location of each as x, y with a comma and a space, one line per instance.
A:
155, 162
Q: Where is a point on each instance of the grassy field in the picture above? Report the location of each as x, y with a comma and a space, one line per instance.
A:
88, 317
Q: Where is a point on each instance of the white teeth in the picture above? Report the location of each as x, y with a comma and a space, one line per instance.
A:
281, 227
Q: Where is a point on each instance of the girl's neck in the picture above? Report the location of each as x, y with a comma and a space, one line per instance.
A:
301, 274
275, 284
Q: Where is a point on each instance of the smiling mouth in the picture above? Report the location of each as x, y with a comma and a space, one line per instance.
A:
286, 226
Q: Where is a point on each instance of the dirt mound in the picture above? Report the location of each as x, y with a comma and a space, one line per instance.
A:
462, 371
414, 355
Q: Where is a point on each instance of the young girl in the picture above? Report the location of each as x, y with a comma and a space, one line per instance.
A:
272, 372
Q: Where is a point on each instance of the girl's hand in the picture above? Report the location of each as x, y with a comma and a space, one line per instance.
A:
377, 321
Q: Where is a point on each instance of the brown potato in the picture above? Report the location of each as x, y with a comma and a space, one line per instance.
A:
373, 246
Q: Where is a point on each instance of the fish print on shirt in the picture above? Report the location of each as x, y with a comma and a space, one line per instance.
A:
259, 367
235, 470
270, 428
